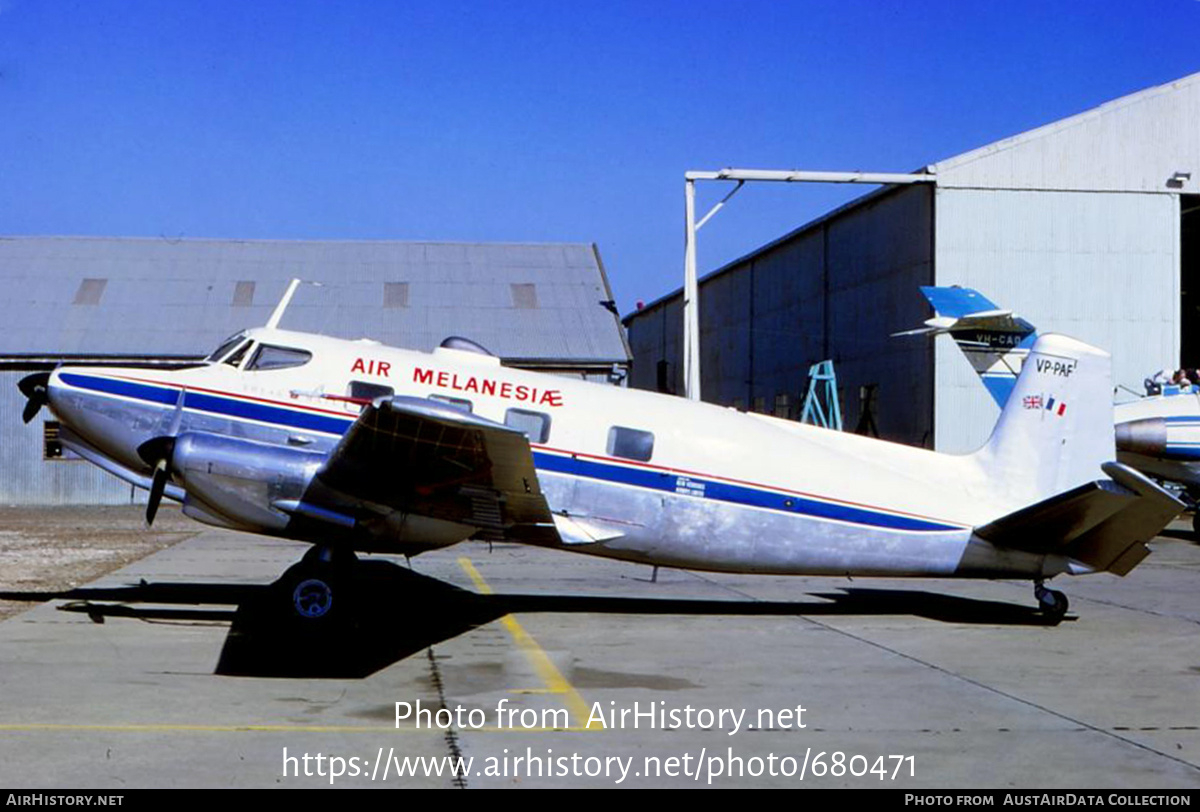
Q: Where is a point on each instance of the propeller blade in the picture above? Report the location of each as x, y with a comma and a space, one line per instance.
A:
177, 415
156, 491
32, 407
157, 451
34, 388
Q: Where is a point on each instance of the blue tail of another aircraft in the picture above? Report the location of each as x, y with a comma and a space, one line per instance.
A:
995, 341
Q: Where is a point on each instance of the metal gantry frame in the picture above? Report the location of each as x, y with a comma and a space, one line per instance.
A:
821, 406
691, 287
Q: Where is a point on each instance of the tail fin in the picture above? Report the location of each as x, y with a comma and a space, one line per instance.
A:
1056, 430
995, 342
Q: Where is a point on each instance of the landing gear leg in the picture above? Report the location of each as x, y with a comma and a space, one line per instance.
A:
1052, 603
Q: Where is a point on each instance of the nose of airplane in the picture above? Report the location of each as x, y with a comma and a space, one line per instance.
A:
81, 400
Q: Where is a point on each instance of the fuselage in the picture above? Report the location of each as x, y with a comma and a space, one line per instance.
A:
676, 482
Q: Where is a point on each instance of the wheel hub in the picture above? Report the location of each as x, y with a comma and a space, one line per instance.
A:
312, 598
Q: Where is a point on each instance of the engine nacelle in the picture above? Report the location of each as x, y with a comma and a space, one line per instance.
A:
1147, 436
233, 482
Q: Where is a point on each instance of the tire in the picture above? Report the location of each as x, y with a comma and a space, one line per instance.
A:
1054, 605
317, 596
312, 598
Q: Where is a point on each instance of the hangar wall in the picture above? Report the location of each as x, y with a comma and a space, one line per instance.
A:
836, 288
1100, 266
29, 480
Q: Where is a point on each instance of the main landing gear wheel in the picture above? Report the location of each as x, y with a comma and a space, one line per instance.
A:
1196, 523
317, 587
1052, 603
312, 598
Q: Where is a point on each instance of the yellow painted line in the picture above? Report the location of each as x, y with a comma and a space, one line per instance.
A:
183, 728
547, 671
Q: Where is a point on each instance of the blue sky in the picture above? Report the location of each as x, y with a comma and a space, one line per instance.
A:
527, 121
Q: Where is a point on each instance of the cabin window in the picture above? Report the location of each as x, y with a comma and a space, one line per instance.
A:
268, 357
362, 390
536, 425
457, 403
631, 444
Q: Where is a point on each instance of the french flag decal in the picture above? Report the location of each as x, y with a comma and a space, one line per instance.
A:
1055, 407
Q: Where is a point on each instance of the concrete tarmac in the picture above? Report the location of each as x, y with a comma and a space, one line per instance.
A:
180, 671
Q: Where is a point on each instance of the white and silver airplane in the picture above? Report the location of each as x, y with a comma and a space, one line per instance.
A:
358, 447
1158, 435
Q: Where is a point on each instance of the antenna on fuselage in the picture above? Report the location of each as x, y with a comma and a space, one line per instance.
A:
277, 314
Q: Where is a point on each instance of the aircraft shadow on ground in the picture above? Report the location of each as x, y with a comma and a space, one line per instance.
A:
397, 613
1182, 535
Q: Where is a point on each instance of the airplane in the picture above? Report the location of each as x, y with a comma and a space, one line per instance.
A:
356, 447
1158, 435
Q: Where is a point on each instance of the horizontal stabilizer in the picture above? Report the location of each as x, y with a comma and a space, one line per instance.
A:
1103, 524
992, 321
1050, 525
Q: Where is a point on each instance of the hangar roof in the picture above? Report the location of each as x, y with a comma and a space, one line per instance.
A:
1136, 143
98, 296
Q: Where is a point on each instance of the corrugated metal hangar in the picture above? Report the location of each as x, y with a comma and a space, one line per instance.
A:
1089, 226
155, 301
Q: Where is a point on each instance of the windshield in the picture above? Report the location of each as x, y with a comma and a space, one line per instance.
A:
271, 357
226, 347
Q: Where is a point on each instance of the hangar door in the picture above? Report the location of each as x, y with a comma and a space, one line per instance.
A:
1189, 268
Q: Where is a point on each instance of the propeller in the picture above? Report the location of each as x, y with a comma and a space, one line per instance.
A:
157, 451
34, 387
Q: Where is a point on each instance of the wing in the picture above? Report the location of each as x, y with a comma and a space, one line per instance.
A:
430, 459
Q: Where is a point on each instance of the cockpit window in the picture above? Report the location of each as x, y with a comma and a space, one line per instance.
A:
226, 347
235, 359
271, 357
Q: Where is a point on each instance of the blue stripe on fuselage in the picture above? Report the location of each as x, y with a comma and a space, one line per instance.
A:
214, 404
729, 492
668, 482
